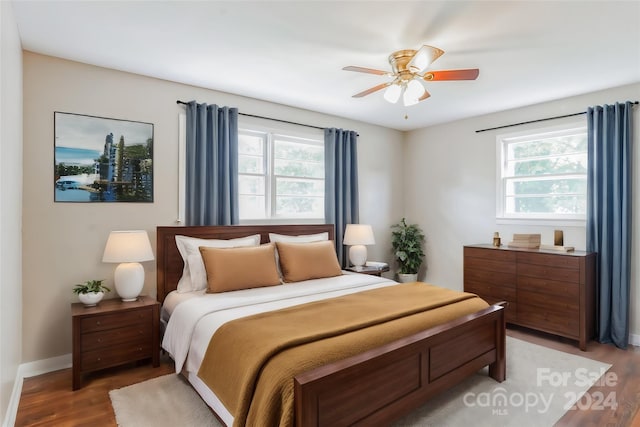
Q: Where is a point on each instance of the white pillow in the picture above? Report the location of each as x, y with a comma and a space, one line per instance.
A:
194, 275
302, 238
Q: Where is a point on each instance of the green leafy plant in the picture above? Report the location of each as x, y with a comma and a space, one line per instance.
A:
407, 241
90, 286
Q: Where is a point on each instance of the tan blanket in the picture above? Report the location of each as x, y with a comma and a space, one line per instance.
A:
256, 357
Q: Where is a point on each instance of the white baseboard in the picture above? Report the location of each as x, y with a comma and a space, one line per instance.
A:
27, 370
634, 339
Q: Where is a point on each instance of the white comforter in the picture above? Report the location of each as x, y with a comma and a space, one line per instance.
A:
194, 321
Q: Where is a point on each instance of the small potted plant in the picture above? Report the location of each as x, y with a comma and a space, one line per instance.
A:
407, 241
91, 292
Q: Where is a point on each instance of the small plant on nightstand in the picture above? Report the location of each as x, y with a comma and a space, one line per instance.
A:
90, 292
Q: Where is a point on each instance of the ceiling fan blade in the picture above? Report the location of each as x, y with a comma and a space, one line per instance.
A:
365, 70
371, 90
424, 58
425, 96
470, 74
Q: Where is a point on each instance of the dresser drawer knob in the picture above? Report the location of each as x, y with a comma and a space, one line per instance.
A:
99, 359
98, 323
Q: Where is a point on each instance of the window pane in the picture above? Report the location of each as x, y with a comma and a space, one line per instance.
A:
302, 151
251, 185
250, 164
571, 204
298, 168
548, 186
251, 207
250, 144
575, 163
300, 206
549, 146
299, 186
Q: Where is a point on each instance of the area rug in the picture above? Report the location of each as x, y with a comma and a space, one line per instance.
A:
542, 384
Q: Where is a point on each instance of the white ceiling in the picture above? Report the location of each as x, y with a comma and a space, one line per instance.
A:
292, 52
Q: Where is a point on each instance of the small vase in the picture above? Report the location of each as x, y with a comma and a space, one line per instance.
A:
407, 278
91, 299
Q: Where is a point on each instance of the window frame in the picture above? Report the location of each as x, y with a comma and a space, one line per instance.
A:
288, 134
502, 142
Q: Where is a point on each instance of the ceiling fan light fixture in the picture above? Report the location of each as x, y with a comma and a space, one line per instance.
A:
414, 89
392, 93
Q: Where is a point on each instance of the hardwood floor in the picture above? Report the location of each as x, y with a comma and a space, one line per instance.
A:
47, 400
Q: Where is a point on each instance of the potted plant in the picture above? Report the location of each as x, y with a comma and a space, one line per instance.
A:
91, 292
407, 241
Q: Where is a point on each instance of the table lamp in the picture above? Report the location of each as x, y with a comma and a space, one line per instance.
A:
128, 248
357, 236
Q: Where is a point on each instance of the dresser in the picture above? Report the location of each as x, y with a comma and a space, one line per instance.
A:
548, 291
114, 333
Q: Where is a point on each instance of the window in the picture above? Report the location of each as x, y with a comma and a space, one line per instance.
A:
542, 174
280, 176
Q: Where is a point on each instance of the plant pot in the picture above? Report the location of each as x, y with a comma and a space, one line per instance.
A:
406, 278
91, 299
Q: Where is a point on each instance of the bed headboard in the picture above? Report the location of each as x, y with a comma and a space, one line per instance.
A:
169, 263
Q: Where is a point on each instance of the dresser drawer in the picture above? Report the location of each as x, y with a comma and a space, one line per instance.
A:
115, 320
548, 320
490, 254
550, 287
566, 306
552, 260
496, 278
102, 339
115, 355
498, 292
545, 272
490, 265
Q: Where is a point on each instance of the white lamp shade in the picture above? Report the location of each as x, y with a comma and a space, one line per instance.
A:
128, 246
358, 234
423, 58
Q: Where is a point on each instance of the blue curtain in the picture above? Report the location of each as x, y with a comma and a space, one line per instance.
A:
609, 216
341, 184
211, 193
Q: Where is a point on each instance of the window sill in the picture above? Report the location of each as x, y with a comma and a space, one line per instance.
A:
282, 221
542, 221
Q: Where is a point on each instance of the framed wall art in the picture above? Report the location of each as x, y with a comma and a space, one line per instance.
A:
98, 159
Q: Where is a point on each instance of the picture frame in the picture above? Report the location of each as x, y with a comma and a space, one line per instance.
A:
100, 159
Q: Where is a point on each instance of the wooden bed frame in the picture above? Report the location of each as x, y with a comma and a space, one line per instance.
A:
379, 385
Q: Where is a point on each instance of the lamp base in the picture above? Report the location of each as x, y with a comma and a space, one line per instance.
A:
358, 256
129, 280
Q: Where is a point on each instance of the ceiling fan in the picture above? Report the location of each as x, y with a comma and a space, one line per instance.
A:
409, 72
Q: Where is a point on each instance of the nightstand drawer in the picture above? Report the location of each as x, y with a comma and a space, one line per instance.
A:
115, 320
104, 358
112, 337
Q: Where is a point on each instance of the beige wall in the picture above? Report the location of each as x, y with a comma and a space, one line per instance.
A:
450, 183
10, 203
63, 242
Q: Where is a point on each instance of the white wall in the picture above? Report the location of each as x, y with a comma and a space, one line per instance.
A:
10, 203
63, 242
450, 182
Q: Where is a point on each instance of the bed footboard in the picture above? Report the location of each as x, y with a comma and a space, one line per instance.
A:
381, 385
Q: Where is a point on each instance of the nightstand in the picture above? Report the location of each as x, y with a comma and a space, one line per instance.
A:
374, 271
114, 333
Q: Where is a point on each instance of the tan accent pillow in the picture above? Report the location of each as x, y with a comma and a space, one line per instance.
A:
304, 261
231, 269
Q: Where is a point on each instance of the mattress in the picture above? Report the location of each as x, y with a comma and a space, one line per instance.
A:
193, 318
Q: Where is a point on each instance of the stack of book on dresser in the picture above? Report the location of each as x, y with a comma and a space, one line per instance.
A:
525, 241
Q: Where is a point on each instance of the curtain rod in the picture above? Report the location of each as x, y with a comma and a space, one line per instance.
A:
539, 120
270, 118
